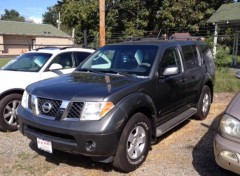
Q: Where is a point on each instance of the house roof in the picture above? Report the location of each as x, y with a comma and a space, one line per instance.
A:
32, 29
226, 13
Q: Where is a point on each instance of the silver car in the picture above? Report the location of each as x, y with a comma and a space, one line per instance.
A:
227, 141
238, 74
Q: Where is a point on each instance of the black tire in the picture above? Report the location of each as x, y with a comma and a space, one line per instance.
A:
204, 103
127, 161
8, 106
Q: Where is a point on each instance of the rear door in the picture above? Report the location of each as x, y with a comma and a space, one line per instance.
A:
171, 89
66, 60
194, 70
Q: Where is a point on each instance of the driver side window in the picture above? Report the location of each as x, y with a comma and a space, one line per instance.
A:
170, 58
65, 60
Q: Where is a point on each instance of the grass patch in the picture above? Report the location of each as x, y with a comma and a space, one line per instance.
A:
3, 61
226, 81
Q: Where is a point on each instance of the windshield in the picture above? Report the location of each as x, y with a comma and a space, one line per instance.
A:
123, 59
29, 62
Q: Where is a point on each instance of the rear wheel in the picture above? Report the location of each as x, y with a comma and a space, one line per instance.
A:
8, 107
134, 143
204, 103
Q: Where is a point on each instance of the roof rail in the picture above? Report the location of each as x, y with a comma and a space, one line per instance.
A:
63, 48
191, 38
133, 39
47, 47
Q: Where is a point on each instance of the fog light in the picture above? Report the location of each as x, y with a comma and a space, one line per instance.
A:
230, 156
90, 146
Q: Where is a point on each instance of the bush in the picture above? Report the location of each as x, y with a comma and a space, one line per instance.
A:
223, 59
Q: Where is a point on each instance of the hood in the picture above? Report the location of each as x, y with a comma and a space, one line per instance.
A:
16, 79
233, 107
87, 86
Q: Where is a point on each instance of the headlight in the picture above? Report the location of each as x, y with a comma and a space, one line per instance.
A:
95, 110
25, 97
230, 126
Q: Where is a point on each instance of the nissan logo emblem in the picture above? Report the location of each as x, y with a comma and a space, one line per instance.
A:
46, 107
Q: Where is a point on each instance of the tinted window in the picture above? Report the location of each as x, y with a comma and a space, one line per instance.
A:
30, 62
206, 53
190, 56
170, 59
80, 56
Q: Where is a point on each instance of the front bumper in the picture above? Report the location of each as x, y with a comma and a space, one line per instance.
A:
231, 161
75, 136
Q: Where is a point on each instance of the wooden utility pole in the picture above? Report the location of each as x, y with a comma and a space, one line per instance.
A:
102, 22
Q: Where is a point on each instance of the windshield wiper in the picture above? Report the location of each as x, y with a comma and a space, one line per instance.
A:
120, 73
90, 70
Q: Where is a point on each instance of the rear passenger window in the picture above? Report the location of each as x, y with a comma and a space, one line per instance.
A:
190, 55
80, 57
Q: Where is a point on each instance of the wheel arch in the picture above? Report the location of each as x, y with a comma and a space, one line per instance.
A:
139, 102
11, 91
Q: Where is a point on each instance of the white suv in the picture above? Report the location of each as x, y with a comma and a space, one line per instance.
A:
30, 67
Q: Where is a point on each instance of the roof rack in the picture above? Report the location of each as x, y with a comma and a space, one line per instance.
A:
63, 48
185, 38
47, 47
133, 39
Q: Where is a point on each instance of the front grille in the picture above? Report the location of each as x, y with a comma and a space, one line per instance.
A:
75, 110
55, 106
30, 102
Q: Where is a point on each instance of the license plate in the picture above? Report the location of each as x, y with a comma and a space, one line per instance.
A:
44, 145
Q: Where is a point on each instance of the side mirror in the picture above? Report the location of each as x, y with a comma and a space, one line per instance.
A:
170, 71
55, 66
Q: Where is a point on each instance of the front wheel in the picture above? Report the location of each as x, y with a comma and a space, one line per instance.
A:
134, 143
204, 103
8, 107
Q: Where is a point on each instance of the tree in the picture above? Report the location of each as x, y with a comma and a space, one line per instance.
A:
186, 15
133, 17
81, 15
51, 16
12, 15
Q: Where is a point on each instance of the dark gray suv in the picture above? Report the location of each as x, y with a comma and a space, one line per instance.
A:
119, 100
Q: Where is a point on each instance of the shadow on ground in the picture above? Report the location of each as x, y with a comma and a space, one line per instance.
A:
203, 153
59, 157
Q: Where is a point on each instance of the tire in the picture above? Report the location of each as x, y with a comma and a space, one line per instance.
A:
134, 144
8, 117
204, 103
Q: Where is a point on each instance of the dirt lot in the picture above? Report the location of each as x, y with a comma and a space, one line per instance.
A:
186, 150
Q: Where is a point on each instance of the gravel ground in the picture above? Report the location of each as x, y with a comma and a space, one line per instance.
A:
185, 150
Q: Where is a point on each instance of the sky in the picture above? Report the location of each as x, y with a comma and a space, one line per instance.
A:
30, 9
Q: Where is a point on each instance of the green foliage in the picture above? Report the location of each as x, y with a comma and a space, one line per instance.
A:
209, 42
3, 61
131, 18
12, 15
51, 16
226, 81
223, 59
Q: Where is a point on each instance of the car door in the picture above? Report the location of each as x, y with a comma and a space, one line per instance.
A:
194, 72
67, 62
172, 88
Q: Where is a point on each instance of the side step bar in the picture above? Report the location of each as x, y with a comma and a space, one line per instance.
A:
163, 128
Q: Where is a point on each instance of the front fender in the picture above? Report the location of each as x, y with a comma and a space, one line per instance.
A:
138, 102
